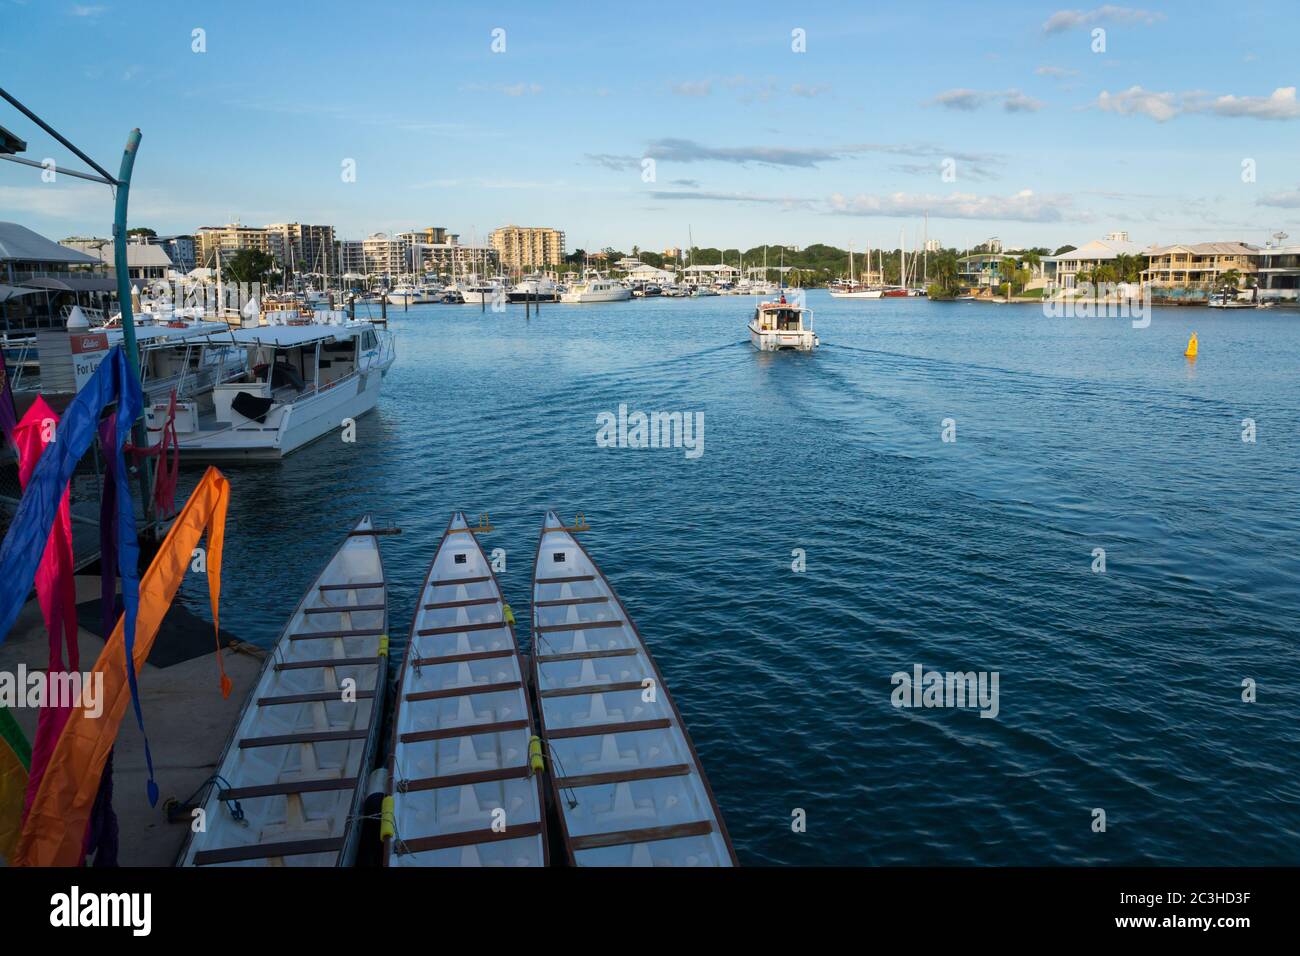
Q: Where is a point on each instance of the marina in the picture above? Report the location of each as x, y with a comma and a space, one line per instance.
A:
1024, 511
668, 442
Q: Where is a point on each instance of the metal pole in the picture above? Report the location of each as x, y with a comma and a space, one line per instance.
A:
138, 434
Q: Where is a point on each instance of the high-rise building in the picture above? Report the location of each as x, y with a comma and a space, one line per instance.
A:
433, 235
352, 257
303, 248
386, 255
524, 248
229, 239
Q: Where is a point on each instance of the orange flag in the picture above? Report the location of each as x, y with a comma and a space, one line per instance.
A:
56, 824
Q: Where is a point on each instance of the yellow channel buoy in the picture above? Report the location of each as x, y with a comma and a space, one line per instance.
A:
1191, 347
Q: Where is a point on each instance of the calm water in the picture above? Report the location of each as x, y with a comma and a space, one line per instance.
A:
1119, 690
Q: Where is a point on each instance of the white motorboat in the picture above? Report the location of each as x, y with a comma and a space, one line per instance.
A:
475, 291
1221, 300
780, 326
465, 777
596, 288
421, 294
626, 781
289, 788
303, 381
535, 288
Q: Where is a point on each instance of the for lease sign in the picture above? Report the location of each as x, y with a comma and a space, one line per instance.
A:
88, 350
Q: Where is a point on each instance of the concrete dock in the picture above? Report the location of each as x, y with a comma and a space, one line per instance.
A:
187, 719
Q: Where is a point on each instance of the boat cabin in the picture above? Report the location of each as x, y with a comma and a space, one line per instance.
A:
781, 316
782, 325
289, 362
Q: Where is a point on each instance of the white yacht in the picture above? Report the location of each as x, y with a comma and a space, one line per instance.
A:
303, 380
420, 293
596, 288
781, 325
535, 288
475, 291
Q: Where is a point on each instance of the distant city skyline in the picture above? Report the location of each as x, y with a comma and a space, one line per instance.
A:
657, 124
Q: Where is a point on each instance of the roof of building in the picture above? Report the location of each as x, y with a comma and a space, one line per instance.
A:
1103, 249
139, 255
8, 292
73, 282
1207, 249
20, 244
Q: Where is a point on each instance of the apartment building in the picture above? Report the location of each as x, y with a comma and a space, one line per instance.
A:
303, 248
229, 239
527, 248
352, 257
386, 255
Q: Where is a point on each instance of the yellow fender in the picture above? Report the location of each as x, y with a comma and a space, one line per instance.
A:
535, 760
508, 614
387, 820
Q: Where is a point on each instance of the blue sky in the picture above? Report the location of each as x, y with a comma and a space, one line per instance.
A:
752, 142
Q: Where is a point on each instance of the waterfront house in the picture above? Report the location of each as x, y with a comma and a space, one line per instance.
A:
1091, 256
1194, 270
1278, 273
983, 270
38, 277
650, 275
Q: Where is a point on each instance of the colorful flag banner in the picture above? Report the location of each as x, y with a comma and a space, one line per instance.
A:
24, 545
55, 828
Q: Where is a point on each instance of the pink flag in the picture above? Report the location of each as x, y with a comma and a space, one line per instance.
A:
55, 588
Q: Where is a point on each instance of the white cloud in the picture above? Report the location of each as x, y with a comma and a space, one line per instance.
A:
1281, 104
1024, 206
1059, 72
693, 88
82, 10
1158, 106
520, 89
1283, 200
966, 100
1063, 20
